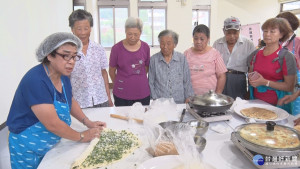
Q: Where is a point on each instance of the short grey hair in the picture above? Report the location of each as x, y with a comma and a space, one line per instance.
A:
132, 22
54, 41
171, 33
80, 15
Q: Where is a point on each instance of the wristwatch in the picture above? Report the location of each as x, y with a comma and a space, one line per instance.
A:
268, 83
81, 137
297, 87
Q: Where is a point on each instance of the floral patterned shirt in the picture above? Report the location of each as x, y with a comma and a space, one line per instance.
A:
88, 85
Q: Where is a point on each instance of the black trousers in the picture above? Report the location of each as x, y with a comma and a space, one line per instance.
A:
124, 102
236, 85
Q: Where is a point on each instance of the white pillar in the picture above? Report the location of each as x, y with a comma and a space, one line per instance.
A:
92, 7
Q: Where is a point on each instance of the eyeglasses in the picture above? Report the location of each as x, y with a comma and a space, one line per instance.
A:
69, 57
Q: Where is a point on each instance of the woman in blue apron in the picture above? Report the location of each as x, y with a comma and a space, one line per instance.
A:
40, 112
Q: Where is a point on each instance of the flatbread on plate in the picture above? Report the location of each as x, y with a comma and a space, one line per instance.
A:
297, 127
112, 146
259, 113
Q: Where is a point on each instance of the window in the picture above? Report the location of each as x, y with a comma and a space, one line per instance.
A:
294, 7
78, 4
78, 7
201, 15
112, 17
289, 6
152, 0
153, 15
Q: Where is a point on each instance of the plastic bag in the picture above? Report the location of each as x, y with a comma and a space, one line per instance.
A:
161, 110
183, 138
137, 111
179, 135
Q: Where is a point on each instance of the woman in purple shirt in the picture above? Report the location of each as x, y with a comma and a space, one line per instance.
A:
128, 66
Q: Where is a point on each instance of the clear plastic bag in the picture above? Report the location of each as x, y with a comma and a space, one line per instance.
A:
136, 113
161, 110
179, 136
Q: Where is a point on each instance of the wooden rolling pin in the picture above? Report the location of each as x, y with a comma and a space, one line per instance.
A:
125, 118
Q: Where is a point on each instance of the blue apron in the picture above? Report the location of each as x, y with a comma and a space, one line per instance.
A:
28, 148
296, 103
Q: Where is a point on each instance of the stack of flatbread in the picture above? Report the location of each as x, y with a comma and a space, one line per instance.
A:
259, 113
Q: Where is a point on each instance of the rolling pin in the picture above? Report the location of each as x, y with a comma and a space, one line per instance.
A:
125, 118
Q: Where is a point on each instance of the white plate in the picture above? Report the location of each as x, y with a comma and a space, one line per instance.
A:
166, 162
162, 162
281, 114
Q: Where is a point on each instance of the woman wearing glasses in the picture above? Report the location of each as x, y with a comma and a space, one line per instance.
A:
128, 66
89, 79
40, 112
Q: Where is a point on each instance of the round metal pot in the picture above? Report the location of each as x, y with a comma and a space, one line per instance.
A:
211, 102
269, 139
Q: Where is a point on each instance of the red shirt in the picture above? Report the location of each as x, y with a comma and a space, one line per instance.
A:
267, 69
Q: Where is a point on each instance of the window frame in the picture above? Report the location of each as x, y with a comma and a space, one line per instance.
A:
153, 5
294, 11
203, 8
79, 3
111, 4
151, 1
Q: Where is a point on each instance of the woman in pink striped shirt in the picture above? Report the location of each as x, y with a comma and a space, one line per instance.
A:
206, 64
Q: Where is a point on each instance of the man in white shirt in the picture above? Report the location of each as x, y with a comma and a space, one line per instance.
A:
234, 49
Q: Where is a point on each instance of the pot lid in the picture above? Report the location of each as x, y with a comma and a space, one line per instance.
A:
212, 99
269, 135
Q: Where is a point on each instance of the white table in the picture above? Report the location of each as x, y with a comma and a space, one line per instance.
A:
219, 152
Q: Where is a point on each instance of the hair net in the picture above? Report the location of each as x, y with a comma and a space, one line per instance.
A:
54, 41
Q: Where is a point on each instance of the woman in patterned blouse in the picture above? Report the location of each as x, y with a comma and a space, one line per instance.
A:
169, 74
89, 78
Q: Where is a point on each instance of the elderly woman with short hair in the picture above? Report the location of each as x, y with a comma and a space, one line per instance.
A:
89, 78
128, 66
40, 111
206, 64
169, 74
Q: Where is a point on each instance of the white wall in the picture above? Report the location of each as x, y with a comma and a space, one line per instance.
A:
24, 24
179, 19
248, 11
